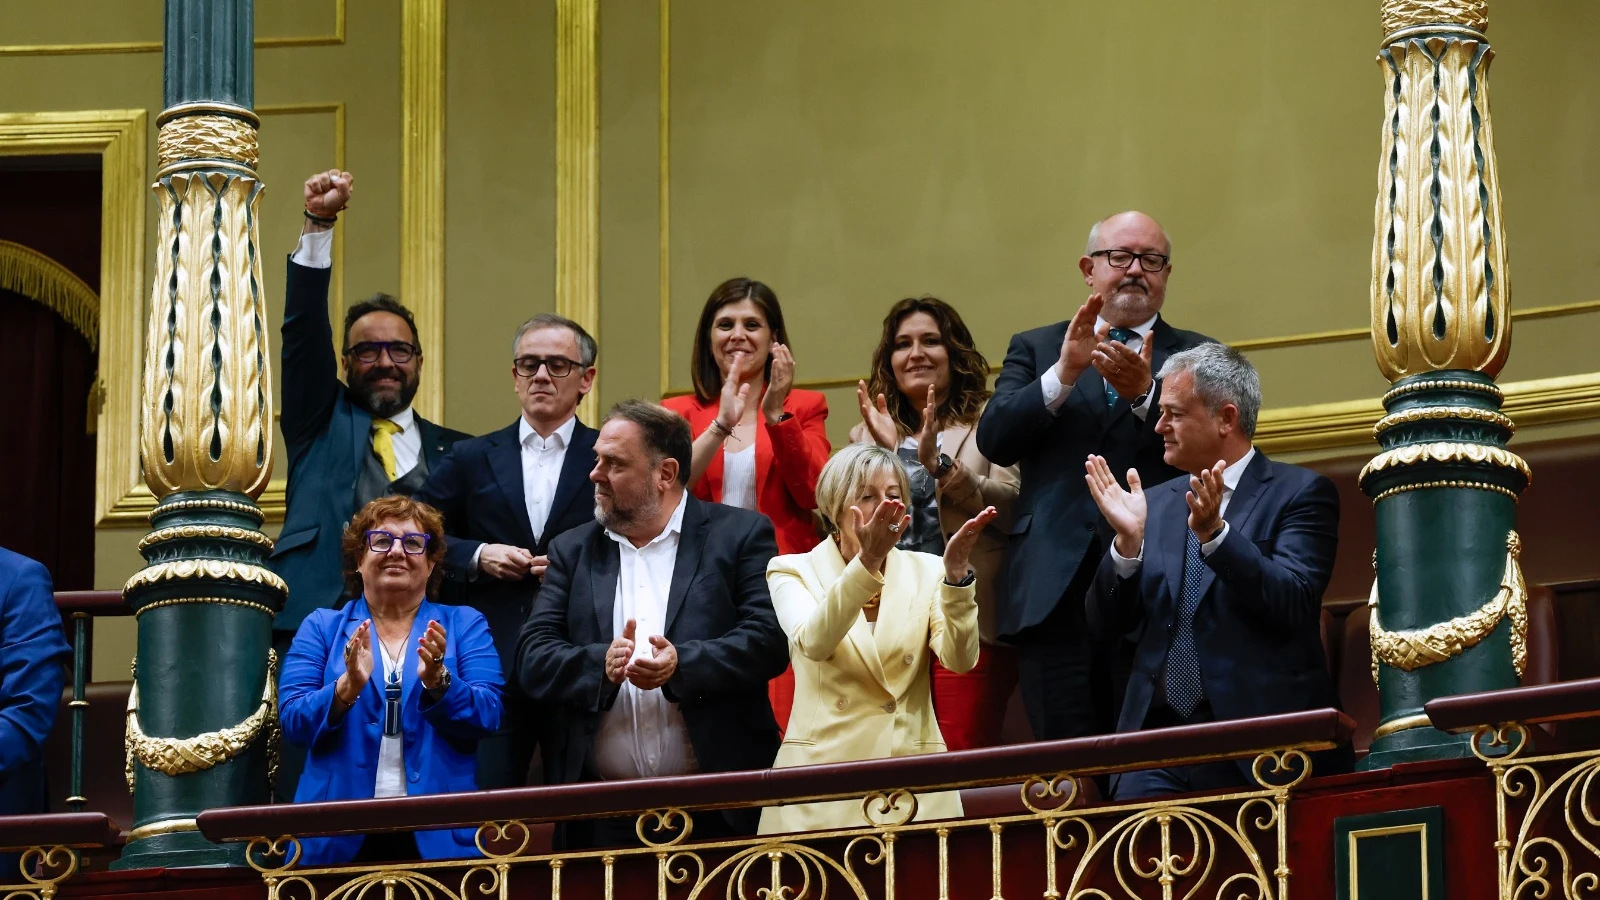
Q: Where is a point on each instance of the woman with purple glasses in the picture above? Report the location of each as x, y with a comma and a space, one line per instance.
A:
390, 693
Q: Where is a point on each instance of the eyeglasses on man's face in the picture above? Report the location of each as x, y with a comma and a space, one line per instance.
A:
1122, 259
557, 366
368, 352
411, 542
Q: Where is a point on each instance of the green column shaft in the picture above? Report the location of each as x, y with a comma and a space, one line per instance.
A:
202, 723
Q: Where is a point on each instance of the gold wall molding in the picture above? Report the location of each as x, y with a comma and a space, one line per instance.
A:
422, 74
43, 280
578, 171
261, 43
664, 191
336, 286
118, 137
1542, 401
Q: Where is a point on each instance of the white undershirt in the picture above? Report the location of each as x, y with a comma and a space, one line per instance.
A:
739, 477
391, 780
643, 734
315, 251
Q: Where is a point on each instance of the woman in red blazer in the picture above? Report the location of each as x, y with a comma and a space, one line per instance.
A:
759, 442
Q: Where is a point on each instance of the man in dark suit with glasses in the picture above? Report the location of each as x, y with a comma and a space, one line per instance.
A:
1068, 391
505, 496
348, 442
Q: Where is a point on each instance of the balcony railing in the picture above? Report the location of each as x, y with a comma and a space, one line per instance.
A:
1221, 844
50, 848
1546, 806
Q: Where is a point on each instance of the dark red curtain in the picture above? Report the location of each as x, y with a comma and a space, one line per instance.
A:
47, 459
47, 456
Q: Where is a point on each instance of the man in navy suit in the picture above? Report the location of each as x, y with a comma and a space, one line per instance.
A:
31, 675
347, 445
1066, 391
1222, 569
505, 496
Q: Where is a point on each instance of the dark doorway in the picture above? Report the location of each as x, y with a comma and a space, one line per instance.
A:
50, 205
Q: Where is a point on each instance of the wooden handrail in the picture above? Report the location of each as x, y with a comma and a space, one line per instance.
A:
1539, 703
1213, 741
95, 603
79, 829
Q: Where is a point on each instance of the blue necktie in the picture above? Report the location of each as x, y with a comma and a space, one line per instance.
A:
1121, 336
1181, 680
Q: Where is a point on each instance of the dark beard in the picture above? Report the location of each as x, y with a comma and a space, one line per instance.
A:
383, 407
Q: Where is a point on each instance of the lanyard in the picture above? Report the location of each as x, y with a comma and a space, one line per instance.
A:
391, 697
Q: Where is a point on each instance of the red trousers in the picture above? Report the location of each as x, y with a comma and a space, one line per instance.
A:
970, 708
780, 691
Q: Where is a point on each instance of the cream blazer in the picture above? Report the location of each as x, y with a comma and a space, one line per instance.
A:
982, 484
860, 693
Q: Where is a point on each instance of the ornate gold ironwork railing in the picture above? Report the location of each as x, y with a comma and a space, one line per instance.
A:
49, 846
1547, 807
1052, 845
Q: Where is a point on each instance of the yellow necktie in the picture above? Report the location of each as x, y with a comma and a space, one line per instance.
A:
383, 432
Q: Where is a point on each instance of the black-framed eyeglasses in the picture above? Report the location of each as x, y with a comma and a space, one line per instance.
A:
399, 351
557, 366
1122, 259
411, 542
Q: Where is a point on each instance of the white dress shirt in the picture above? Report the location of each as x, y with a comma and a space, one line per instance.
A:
739, 477
391, 776
541, 469
315, 251
542, 459
1125, 567
1055, 392
644, 735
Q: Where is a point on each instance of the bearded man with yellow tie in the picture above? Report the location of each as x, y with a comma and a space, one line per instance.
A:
347, 445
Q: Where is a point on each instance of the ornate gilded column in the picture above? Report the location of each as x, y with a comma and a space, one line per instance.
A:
1448, 601
202, 718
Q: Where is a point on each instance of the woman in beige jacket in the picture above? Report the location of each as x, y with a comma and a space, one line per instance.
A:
862, 617
929, 386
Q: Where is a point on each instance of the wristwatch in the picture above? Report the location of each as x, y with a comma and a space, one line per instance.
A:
971, 577
443, 686
943, 466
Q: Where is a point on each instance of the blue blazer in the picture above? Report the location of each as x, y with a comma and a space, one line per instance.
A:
478, 488
1258, 626
328, 439
33, 651
1056, 520
440, 738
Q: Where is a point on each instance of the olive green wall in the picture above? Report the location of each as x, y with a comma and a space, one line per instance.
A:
851, 154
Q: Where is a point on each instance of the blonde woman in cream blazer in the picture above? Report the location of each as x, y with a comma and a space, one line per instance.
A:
863, 619
928, 389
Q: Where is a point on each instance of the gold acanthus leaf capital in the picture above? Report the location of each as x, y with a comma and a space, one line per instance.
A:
1412, 649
